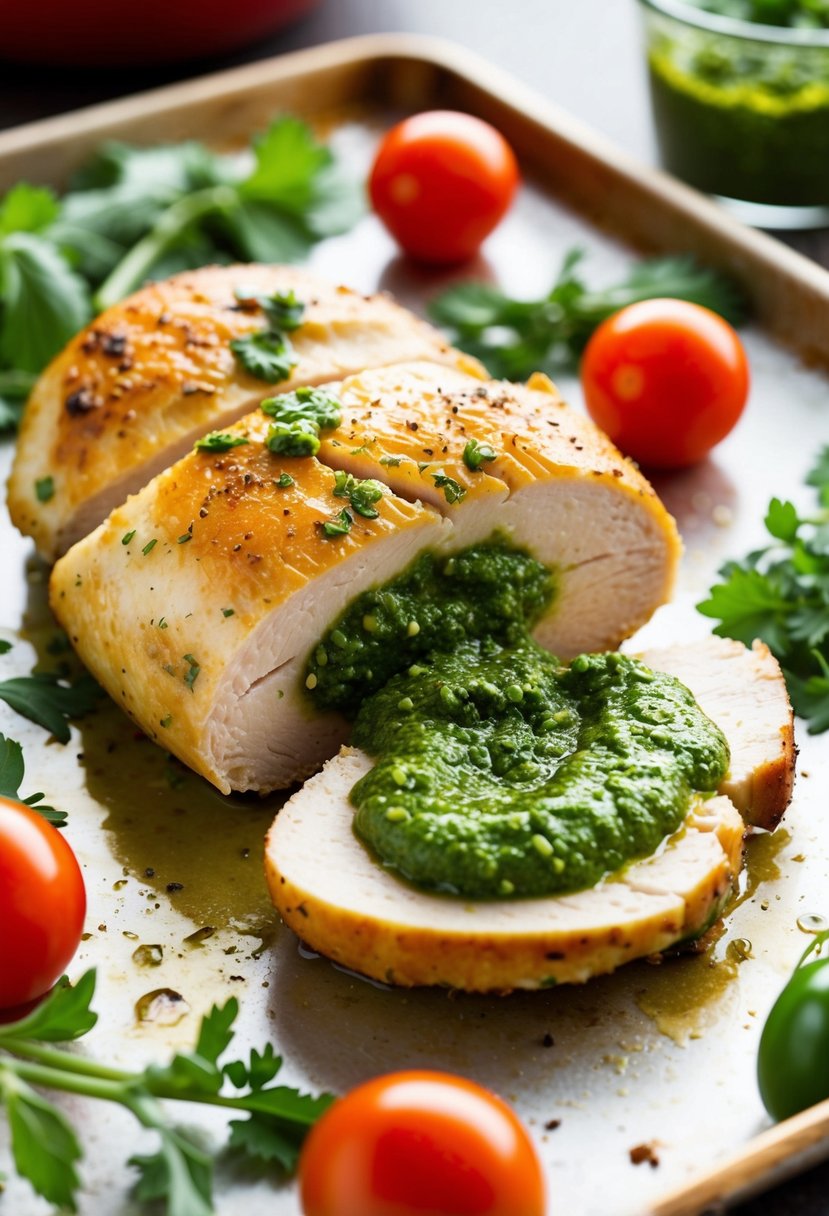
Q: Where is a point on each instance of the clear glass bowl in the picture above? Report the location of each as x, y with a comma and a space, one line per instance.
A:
742, 111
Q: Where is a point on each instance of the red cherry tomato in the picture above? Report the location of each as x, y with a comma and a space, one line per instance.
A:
667, 380
420, 1142
441, 182
42, 904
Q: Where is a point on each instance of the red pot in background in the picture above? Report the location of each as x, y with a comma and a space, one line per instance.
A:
107, 33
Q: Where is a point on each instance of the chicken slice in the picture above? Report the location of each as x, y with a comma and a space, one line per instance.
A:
336, 897
196, 605
554, 484
744, 692
130, 394
249, 538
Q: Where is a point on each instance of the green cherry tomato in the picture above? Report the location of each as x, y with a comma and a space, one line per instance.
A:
793, 1058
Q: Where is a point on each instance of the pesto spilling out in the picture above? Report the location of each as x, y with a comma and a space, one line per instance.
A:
500, 771
490, 590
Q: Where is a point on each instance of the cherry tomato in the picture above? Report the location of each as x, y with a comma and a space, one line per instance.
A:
420, 1142
794, 1045
42, 904
667, 380
441, 181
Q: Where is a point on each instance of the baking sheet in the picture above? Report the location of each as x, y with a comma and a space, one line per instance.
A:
660, 1055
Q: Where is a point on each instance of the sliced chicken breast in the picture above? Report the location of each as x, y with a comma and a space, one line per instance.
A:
131, 393
228, 537
744, 692
550, 480
337, 898
196, 604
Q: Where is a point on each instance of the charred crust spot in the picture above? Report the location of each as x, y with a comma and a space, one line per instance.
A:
82, 401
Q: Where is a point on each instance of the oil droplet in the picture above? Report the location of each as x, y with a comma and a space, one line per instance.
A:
200, 935
120, 884
739, 950
133, 937
761, 866
812, 922
148, 956
687, 996
162, 1006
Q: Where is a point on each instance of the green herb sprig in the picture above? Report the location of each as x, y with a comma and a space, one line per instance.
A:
517, 337
50, 701
45, 1146
12, 771
298, 419
134, 214
362, 494
780, 594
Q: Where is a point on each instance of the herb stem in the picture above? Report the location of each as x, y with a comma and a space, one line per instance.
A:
61, 1079
52, 1057
134, 268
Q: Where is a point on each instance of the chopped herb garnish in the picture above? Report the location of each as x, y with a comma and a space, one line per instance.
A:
305, 405
45, 488
293, 439
127, 537
283, 310
192, 673
5, 646
166, 720
340, 526
452, 492
298, 419
219, 441
284, 480
162, 622
228, 612
265, 354
361, 494
391, 462
12, 770
270, 1125
183, 539
150, 545
474, 454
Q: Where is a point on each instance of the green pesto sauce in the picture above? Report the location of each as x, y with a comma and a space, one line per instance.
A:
490, 590
742, 119
502, 772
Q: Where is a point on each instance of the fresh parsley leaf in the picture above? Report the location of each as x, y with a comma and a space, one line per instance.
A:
5, 646
44, 1145
219, 441
452, 491
12, 770
265, 354
283, 310
12, 767
44, 302
63, 1015
27, 208
284, 480
818, 476
516, 337
181, 1173
49, 701
262, 1139
475, 453
782, 520
748, 606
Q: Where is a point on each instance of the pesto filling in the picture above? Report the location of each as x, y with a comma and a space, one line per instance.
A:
500, 771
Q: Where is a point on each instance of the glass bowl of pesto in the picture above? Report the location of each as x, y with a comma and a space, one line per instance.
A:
740, 92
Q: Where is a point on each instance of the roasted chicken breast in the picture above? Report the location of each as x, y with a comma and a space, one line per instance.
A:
130, 394
198, 602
